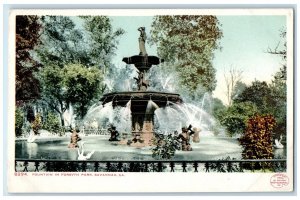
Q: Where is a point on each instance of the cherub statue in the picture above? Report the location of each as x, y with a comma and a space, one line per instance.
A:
141, 82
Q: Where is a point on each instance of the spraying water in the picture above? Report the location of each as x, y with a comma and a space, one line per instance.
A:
122, 118
106, 115
175, 116
69, 117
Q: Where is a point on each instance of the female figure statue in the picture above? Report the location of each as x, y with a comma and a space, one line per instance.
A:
142, 40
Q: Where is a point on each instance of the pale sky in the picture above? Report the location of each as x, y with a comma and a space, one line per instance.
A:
244, 45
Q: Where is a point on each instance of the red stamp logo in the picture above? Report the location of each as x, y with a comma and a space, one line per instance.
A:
279, 180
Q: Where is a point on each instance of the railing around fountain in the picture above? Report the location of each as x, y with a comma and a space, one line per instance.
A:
94, 131
223, 166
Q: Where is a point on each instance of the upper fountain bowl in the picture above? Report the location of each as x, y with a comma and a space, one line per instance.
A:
143, 63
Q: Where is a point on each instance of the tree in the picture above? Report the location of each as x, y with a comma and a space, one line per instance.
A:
278, 86
231, 79
62, 42
258, 93
279, 108
83, 86
188, 42
66, 47
102, 40
281, 48
74, 83
27, 38
53, 90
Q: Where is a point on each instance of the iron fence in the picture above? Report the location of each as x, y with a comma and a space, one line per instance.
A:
221, 166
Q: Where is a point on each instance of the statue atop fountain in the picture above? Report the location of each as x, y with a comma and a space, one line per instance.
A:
142, 40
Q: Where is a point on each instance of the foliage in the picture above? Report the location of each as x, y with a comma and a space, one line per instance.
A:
234, 118
238, 89
71, 47
36, 125
165, 146
278, 93
102, 40
258, 93
82, 86
62, 42
19, 119
74, 83
269, 99
53, 91
27, 38
218, 107
223, 166
188, 42
52, 123
264, 99
257, 141
278, 86
29, 113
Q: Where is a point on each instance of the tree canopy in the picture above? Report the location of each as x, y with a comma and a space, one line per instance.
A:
62, 42
258, 93
83, 86
72, 52
102, 40
188, 42
27, 38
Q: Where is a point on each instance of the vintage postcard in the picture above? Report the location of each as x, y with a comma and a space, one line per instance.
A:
183, 100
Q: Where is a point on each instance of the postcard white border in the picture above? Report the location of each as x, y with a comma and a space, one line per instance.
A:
148, 182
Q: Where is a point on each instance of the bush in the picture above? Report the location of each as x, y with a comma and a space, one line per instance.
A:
165, 146
257, 140
19, 119
236, 116
37, 123
52, 123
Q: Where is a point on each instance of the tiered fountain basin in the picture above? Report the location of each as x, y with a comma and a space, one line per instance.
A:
143, 105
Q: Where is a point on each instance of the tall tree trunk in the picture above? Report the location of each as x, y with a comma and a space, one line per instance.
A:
62, 120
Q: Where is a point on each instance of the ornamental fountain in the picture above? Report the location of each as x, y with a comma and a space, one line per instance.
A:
143, 103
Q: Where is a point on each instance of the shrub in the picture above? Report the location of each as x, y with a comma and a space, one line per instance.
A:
257, 139
165, 146
37, 123
52, 123
19, 118
236, 116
